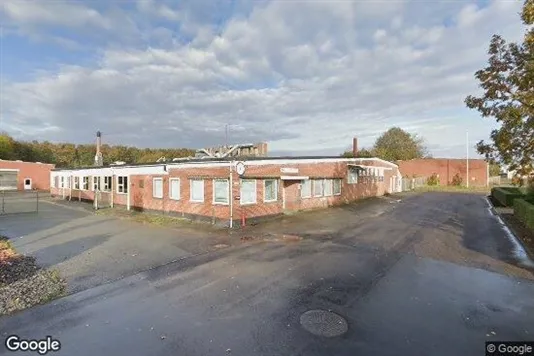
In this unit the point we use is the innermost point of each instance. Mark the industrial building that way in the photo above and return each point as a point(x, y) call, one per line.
point(19, 175)
point(227, 189)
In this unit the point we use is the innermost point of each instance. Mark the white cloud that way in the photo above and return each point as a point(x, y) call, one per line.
point(301, 75)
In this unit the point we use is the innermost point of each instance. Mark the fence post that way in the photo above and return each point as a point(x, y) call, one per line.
point(37, 207)
point(3, 201)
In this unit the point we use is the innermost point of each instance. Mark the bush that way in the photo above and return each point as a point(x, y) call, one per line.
point(433, 180)
point(507, 195)
point(456, 180)
point(524, 211)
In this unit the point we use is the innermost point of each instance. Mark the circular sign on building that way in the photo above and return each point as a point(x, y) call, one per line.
point(240, 168)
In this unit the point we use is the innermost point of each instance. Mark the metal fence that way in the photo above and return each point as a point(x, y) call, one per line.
point(412, 183)
point(16, 202)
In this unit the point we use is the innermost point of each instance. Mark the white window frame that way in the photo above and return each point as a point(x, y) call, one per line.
point(171, 180)
point(107, 187)
point(334, 185)
point(315, 195)
point(325, 183)
point(96, 183)
point(265, 200)
point(227, 190)
point(191, 190)
point(85, 183)
point(76, 183)
point(122, 188)
point(255, 192)
point(154, 195)
point(353, 175)
point(302, 190)
point(62, 182)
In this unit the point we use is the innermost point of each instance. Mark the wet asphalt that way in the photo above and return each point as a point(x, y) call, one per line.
point(435, 274)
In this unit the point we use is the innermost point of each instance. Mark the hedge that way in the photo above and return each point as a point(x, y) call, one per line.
point(507, 195)
point(524, 211)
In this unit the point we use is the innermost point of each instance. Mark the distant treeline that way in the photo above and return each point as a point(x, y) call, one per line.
point(71, 155)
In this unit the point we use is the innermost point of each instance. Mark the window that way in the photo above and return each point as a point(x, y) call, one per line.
point(174, 188)
point(337, 186)
point(157, 188)
point(306, 189)
point(353, 175)
point(107, 183)
point(197, 190)
point(85, 185)
point(122, 185)
point(221, 191)
point(317, 187)
point(248, 191)
point(270, 190)
point(328, 187)
point(96, 183)
point(76, 182)
point(62, 182)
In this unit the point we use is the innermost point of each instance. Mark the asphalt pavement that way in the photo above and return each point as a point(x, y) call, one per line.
point(435, 275)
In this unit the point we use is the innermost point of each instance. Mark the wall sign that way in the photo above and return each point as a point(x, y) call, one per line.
point(240, 168)
point(289, 170)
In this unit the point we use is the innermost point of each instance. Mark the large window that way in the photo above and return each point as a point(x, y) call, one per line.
point(76, 182)
point(107, 183)
point(270, 190)
point(337, 186)
point(353, 175)
point(318, 187)
point(221, 191)
point(306, 189)
point(62, 184)
point(248, 191)
point(122, 185)
point(174, 188)
point(328, 187)
point(85, 185)
point(157, 188)
point(197, 190)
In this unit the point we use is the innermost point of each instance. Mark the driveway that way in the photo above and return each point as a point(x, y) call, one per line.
point(91, 249)
point(432, 275)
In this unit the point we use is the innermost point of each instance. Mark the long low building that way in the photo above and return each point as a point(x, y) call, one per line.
point(230, 191)
point(19, 175)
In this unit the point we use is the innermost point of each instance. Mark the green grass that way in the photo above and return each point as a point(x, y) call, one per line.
point(452, 189)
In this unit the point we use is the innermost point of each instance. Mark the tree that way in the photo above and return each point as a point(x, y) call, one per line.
point(494, 169)
point(396, 144)
point(363, 153)
point(508, 97)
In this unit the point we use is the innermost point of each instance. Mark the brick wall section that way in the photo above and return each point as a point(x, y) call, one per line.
point(447, 169)
point(141, 190)
point(39, 173)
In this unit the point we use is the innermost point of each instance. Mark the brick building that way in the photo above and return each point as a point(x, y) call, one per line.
point(446, 169)
point(19, 175)
point(228, 190)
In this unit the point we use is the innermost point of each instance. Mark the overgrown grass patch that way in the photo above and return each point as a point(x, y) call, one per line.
point(23, 283)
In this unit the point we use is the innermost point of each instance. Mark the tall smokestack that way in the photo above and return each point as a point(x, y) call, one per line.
point(99, 161)
point(355, 147)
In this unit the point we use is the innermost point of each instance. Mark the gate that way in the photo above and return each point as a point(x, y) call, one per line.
point(15, 202)
point(102, 200)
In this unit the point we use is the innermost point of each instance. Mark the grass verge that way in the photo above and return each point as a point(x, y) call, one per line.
point(23, 283)
point(453, 189)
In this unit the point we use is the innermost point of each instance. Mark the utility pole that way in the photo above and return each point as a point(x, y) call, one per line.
point(467, 158)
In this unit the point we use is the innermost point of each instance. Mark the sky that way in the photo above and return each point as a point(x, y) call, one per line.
point(304, 76)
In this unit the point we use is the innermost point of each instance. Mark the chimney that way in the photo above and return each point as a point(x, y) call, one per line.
point(355, 147)
point(99, 161)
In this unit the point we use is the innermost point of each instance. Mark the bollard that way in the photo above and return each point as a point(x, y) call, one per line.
point(243, 219)
point(37, 200)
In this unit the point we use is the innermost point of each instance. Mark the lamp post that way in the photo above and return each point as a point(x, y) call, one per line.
point(467, 158)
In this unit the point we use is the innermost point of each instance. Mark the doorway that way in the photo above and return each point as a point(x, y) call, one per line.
point(27, 184)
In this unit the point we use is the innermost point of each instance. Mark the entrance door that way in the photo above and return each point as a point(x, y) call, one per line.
point(27, 184)
point(291, 195)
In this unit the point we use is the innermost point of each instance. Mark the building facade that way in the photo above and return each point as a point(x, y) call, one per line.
point(230, 191)
point(446, 169)
point(19, 175)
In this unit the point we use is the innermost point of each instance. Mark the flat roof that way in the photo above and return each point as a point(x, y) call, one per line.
point(214, 159)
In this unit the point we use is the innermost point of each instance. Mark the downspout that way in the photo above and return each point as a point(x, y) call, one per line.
point(112, 188)
point(129, 186)
point(231, 196)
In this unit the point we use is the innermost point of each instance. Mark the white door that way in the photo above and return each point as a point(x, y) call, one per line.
point(27, 184)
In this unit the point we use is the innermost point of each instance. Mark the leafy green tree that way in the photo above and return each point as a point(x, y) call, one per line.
point(363, 153)
point(396, 144)
point(494, 169)
point(508, 98)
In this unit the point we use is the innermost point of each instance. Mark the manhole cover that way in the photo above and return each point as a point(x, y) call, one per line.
point(323, 323)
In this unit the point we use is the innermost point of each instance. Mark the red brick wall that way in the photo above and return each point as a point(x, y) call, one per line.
point(447, 169)
point(39, 173)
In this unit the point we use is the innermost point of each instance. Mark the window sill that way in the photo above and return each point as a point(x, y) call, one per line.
point(270, 201)
point(197, 201)
point(153, 197)
point(244, 204)
point(219, 203)
point(176, 199)
point(121, 193)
